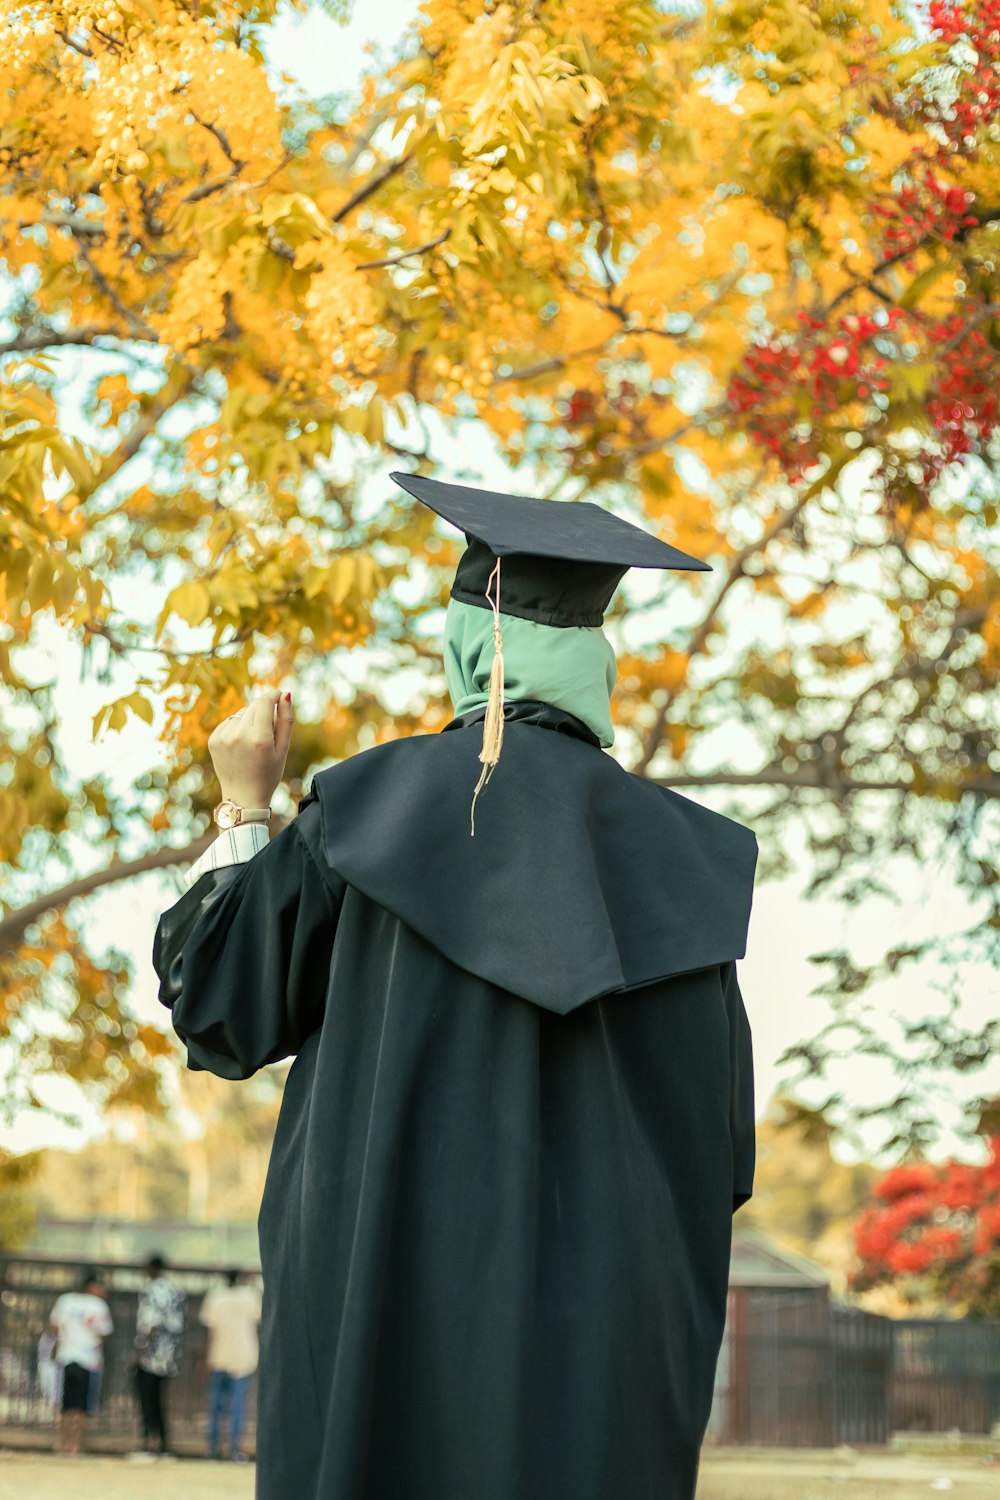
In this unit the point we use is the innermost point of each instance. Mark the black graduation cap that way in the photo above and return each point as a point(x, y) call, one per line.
point(562, 560)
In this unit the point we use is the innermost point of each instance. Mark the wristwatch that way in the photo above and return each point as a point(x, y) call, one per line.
point(230, 815)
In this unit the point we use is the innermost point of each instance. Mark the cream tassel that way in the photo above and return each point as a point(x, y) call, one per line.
point(493, 723)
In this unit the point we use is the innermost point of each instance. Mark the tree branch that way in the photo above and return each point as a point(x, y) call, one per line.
point(80, 47)
point(926, 666)
point(371, 186)
point(809, 780)
point(52, 338)
point(132, 318)
point(364, 140)
point(556, 362)
point(214, 185)
point(982, 215)
point(221, 137)
point(13, 926)
point(395, 260)
point(736, 569)
point(76, 222)
point(155, 406)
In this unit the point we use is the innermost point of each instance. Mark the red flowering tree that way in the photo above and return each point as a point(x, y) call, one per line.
point(934, 1233)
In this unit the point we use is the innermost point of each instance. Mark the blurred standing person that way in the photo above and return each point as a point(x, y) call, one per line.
point(79, 1322)
point(158, 1332)
point(48, 1370)
point(231, 1313)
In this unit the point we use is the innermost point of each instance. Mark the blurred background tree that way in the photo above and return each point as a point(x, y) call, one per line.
point(731, 273)
point(803, 1195)
point(931, 1236)
point(18, 1197)
point(212, 1169)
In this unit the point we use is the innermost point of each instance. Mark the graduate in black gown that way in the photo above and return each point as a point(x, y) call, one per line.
point(496, 1228)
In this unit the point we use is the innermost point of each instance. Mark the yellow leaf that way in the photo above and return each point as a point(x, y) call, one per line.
point(140, 706)
point(315, 581)
point(353, 418)
point(436, 170)
point(366, 575)
point(191, 602)
point(39, 590)
point(341, 578)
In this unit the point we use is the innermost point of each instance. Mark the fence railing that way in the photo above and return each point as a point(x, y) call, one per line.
point(28, 1290)
point(795, 1370)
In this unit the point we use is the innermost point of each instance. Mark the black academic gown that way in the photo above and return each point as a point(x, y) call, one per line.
point(496, 1228)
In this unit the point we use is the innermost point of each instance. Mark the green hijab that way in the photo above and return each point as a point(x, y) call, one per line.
point(572, 668)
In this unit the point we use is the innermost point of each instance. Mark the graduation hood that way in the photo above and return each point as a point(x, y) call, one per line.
point(582, 880)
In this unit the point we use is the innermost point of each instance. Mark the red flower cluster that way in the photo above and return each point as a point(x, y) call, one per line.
point(785, 387)
point(905, 1182)
point(963, 408)
point(781, 383)
point(923, 210)
point(940, 1223)
point(963, 404)
point(581, 407)
point(977, 23)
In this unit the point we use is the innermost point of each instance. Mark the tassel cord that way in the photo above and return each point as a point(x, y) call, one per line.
point(493, 723)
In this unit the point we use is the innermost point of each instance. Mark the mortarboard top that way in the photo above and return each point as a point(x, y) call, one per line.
point(563, 560)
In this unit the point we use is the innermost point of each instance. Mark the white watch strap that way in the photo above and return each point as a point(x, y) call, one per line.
point(234, 846)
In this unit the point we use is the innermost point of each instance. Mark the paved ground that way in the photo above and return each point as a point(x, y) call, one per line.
point(726, 1475)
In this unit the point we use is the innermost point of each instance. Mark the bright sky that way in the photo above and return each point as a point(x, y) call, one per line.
point(776, 977)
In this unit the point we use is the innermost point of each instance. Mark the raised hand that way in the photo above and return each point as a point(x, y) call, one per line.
point(249, 749)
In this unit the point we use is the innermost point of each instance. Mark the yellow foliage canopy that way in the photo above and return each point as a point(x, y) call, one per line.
point(699, 265)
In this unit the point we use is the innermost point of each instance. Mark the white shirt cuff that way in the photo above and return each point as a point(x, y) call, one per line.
point(234, 846)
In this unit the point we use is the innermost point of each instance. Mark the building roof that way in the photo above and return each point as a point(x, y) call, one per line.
point(758, 1261)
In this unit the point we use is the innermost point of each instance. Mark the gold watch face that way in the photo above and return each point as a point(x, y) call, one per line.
point(226, 815)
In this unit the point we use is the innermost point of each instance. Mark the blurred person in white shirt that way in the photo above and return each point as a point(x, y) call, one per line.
point(80, 1321)
point(231, 1313)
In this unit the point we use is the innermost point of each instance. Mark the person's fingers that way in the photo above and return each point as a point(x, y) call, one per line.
point(260, 719)
point(284, 719)
point(225, 727)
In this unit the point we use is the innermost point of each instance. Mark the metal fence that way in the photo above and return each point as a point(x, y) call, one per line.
point(945, 1376)
point(863, 1375)
point(28, 1290)
point(795, 1370)
point(776, 1388)
point(798, 1370)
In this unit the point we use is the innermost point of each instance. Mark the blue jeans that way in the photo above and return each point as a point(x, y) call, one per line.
point(226, 1390)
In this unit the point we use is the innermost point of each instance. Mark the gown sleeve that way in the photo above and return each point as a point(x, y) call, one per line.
point(243, 958)
point(741, 1092)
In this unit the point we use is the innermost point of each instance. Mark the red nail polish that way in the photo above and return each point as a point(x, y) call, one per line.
point(288, 697)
